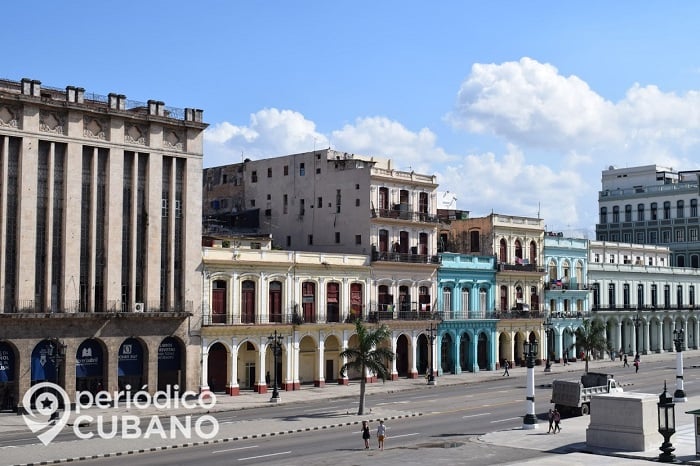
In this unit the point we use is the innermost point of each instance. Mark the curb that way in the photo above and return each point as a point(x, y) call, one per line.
point(215, 441)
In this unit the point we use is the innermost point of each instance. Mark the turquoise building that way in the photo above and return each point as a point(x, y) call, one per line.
point(466, 335)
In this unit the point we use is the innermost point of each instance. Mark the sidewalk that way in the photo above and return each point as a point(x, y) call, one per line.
point(569, 445)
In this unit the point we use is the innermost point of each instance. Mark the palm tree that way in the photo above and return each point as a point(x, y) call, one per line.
point(591, 336)
point(369, 355)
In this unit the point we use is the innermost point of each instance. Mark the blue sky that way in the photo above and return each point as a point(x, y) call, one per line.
point(516, 106)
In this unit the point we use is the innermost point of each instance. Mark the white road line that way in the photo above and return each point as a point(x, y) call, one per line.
point(405, 435)
point(264, 456)
point(234, 449)
point(504, 420)
point(419, 397)
point(475, 415)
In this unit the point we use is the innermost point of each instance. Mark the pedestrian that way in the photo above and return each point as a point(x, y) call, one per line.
point(506, 365)
point(566, 357)
point(365, 434)
point(636, 363)
point(551, 420)
point(557, 420)
point(381, 435)
point(625, 364)
point(620, 353)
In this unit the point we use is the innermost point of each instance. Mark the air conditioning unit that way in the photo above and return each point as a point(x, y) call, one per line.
point(138, 307)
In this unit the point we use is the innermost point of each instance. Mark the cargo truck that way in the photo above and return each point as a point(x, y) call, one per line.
point(575, 397)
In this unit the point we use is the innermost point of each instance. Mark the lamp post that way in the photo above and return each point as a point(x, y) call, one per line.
point(667, 425)
point(57, 353)
point(679, 394)
point(431, 374)
point(276, 341)
point(548, 325)
point(530, 351)
point(637, 323)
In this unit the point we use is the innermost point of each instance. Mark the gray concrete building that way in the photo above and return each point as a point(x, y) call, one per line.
point(100, 226)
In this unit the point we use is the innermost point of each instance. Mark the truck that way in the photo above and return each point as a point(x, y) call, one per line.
point(575, 397)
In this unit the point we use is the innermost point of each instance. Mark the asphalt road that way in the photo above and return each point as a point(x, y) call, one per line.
point(452, 417)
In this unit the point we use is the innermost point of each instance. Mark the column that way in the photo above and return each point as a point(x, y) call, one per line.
point(619, 335)
point(645, 339)
point(320, 380)
point(394, 375)
point(261, 385)
point(413, 373)
point(204, 370)
point(233, 387)
point(660, 336)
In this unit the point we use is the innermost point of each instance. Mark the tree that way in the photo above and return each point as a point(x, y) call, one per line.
point(369, 355)
point(591, 336)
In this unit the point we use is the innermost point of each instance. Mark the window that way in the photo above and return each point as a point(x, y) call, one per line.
point(680, 235)
point(269, 172)
point(693, 234)
point(285, 203)
point(665, 236)
point(289, 241)
point(302, 170)
point(357, 203)
point(628, 213)
point(357, 186)
point(667, 295)
point(679, 209)
point(693, 207)
point(319, 202)
point(178, 207)
point(596, 258)
point(301, 207)
point(626, 295)
point(679, 296)
point(691, 295)
point(337, 237)
point(269, 197)
point(652, 237)
point(318, 171)
point(627, 237)
point(255, 245)
point(286, 170)
point(654, 296)
point(474, 237)
point(337, 201)
point(640, 212)
point(640, 237)
point(254, 176)
point(310, 240)
point(667, 210)
point(358, 239)
point(611, 295)
point(616, 214)
point(603, 215)
point(652, 211)
point(612, 258)
point(164, 208)
point(640, 296)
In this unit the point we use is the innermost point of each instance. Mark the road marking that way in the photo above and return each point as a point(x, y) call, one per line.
point(405, 435)
point(475, 415)
point(504, 420)
point(264, 456)
point(234, 449)
point(419, 397)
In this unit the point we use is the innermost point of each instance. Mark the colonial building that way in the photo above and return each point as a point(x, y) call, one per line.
point(641, 299)
point(100, 223)
point(306, 301)
point(652, 205)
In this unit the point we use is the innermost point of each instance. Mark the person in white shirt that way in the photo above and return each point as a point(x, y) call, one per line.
point(381, 434)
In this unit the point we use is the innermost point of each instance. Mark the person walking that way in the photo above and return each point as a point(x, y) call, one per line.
point(365, 434)
point(551, 421)
point(506, 365)
point(566, 357)
point(557, 420)
point(625, 364)
point(381, 435)
point(636, 363)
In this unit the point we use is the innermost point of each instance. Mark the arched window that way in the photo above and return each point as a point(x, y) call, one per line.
point(308, 301)
point(333, 302)
point(640, 212)
point(628, 213)
point(275, 302)
point(446, 299)
point(533, 253)
point(616, 214)
point(504, 298)
point(503, 251)
point(603, 215)
point(679, 209)
point(667, 210)
point(248, 302)
point(518, 250)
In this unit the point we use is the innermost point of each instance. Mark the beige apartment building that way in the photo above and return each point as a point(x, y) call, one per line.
point(100, 226)
point(336, 202)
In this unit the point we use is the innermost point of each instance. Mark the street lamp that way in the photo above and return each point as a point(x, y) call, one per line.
point(548, 325)
point(276, 341)
point(667, 425)
point(57, 353)
point(679, 394)
point(431, 375)
point(637, 323)
point(530, 351)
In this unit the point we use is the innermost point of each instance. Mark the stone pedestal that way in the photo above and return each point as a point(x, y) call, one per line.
point(624, 422)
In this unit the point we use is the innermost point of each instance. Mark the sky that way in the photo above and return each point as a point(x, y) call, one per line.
point(517, 107)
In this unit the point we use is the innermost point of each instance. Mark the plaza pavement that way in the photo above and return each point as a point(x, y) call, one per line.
point(565, 448)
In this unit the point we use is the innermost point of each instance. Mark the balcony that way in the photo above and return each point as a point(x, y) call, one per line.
point(402, 214)
point(151, 308)
point(503, 267)
point(380, 256)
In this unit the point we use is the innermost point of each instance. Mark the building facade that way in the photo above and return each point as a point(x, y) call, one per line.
point(652, 205)
point(100, 221)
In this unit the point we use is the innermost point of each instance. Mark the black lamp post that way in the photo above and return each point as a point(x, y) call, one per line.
point(431, 374)
point(548, 325)
point(57, 353)
point(637, 323)
point(276, 341)
point(530, 352)
point(667, 426)
point(679, 394)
